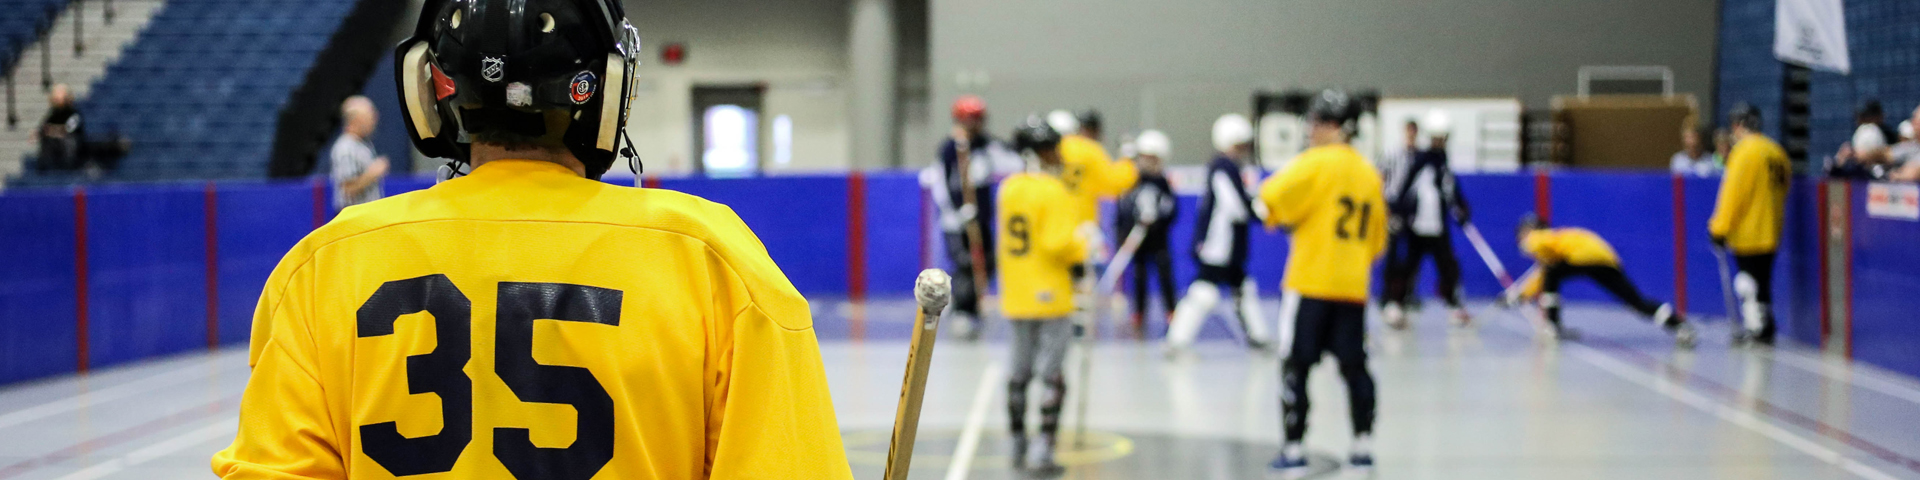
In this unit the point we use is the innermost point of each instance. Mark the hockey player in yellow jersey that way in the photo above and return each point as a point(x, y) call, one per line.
point(527, 321)
point(1041, 242)
point(1332, 202)
point(1748, 218)
point(1088, 171)
point(1564, 253)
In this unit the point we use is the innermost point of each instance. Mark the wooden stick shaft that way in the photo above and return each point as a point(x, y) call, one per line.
point(967, 197)
point(906, 420)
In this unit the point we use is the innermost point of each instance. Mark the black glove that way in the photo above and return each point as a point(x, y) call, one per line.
point(1719, 242)
point(1463, 216)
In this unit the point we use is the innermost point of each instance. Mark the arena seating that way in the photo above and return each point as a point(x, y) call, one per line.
point(21, 24)
point(200, 91)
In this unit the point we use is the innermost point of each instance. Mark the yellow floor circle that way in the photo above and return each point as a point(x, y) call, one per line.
point(869, 447)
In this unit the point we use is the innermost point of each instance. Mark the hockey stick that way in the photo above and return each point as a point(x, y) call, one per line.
point(1486, 254)
point(931, 291)
point(1122, 259)
point(1726, 289)
point(975, 250)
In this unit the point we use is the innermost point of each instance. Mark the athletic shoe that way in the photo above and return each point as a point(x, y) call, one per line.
point(1019, 452)
point(1563, 333)
point(1292, 462)
point(1174, 353)
point(966, 328)
point(1394, 315)
point(1461, 319)
point(1684, 336)
point(1362, 456)
point(1043, 463)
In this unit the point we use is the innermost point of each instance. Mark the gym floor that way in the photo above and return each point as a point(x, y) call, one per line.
point(1488, 402)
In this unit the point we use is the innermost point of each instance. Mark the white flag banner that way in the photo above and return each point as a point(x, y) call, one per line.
point(1812, 33)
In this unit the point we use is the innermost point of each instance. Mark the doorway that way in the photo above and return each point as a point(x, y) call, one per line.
point(727, 129)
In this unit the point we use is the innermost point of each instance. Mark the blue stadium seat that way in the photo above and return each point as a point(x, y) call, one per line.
point(200, 91)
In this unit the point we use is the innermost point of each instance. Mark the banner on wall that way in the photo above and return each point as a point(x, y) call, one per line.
point(1894, 201)
point(1812, 33)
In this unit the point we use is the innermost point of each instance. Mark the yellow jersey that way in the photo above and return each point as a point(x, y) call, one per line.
point(1037, 248)
point(1572, 246)
point(524, 322)
point(1332, 200)
point(1753, 197)
point(1090, 175)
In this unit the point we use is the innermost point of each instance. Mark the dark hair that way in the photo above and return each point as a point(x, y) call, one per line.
point(1870, 109)
point(516, 142)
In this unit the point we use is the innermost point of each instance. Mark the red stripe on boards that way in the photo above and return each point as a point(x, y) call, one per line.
point(213, 268)
point(80, 277)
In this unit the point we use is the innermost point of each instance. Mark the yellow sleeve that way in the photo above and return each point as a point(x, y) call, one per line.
point(286, 432)
point(1285, 196)
point(1736, 191)
point(1119, 176)
point(782, 424)
point(1058, 235)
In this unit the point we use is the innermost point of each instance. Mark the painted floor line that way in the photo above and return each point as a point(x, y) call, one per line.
point(1747, 420)
point(219, 430)
point(227, 406)
point(85, 400)
point(963, 454)
point(1853, 373)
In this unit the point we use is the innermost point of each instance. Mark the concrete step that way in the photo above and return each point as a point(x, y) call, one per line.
point(103, 43)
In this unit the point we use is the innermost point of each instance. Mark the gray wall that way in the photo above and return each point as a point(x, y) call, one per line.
point(797, 47)
point(1176, 65)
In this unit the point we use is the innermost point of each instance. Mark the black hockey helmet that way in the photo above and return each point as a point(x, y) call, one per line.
point(1090, 119)
point(560, 70)
point(1034, 135)
point(1528, 223)
point(1744, 114)
point(1335, 107)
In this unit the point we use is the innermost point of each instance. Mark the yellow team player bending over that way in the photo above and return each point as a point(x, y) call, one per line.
point(1042, 241)
point(1564, 253)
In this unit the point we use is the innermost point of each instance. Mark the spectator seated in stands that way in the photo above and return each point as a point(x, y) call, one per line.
point(1694, 158)
point(1906, 155)
point(1869, 156)
point(64, 145)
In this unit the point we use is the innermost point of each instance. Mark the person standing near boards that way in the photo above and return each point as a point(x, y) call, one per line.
point(1747, 220)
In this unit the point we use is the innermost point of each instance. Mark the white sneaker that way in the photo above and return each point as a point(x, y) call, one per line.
point(1461, 319)
point(1394, 316)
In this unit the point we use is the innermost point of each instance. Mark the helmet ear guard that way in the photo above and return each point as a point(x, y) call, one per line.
point(437, 103)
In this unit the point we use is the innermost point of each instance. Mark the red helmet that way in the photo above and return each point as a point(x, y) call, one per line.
point(969, 107)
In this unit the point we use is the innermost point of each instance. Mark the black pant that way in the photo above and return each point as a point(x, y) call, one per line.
point(1403, 267)
point(1608, 276)
point(1760, 267)
point(1309, 329)
point(965, 299)
point(1149, 262)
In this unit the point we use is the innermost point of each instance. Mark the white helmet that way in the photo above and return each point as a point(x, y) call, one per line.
point(1063, 122)
point(1152, 142)
point(1906, 130)
point(1868, 138)
point(1231, 130)
point(1437, 124)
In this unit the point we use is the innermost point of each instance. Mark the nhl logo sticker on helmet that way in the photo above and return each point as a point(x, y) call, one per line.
point(583, 87)
point(493, 69)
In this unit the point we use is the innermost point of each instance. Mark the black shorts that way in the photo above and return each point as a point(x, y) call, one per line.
point(1225, 277)
point(1311, 327)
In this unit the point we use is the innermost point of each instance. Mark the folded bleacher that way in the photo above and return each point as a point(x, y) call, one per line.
point(200, 91)
point(23, 23)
